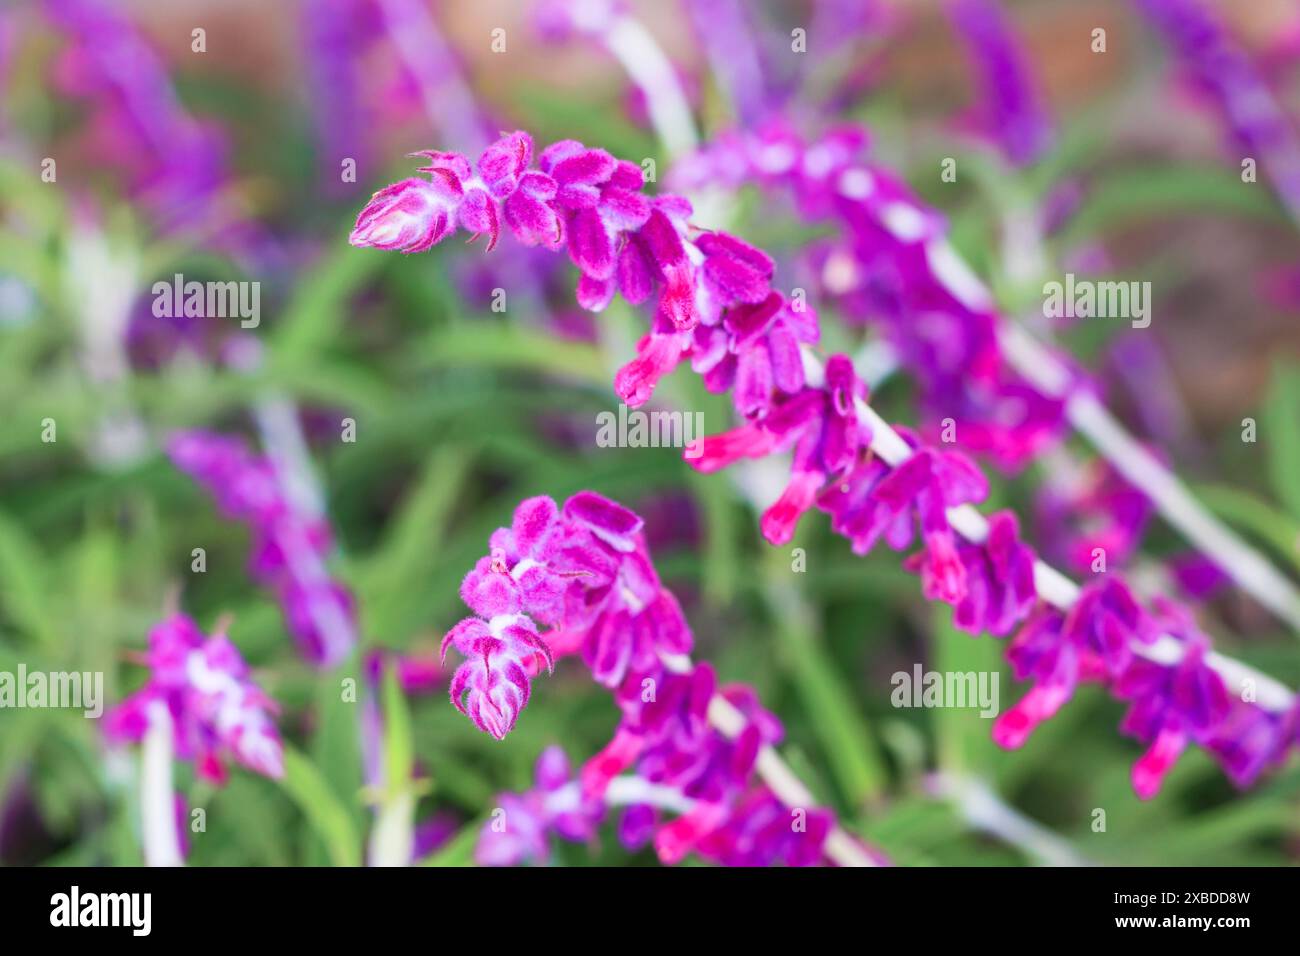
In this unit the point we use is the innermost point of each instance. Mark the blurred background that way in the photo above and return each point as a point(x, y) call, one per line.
point(231, 163)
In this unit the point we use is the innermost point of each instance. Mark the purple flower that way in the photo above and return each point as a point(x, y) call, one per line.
point(174, 164)
point(217, 712)
point(1099, 510)
point(1170, 707)
point(1222, 72)
point(289, 545)
point(1010, 108)
point(822, 426)
point(522, 825)
point(583, 570)
point(410, 216)
point(1092, 641)
point(763, 831)
point(622, 242)
point(891, 262)
point(1000, 591)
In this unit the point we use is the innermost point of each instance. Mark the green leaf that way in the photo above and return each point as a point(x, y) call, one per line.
point(459, 850)
point(489, 344)
point(323, 809)
point(399, 746)
point(23, 577)
point(1279, 433)
point(834, 713)
point(965, 744)
point(1279, 531)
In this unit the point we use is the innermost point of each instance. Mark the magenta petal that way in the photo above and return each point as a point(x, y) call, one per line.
point(635, 272)
point(590, 246)
point(594, 294)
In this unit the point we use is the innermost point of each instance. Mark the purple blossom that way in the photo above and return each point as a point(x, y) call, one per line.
point(1010, 109)
point(765, 832)
point(217, 712)
point(891, 262)
point(1000, 591)
point(712, 295)
point(1171, 707)
point(582, 570)
point(1097, 509)
point(821, 424)
point(290, 546)
point(172, 162)
point(521, 831)
point(1222, 72)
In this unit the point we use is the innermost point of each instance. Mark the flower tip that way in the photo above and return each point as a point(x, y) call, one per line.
point(1011, 730)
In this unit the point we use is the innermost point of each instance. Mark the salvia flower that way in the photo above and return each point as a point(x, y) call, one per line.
point(712, 293)
point(172, 162)
point(582, 569)
point(217, 712)
point(1093, 520)
point(1223, 73)
point(891, 262)
point(1171, 706)
point(290, 546)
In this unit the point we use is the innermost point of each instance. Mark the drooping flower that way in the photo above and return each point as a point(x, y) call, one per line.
point(1222, 72)
point(1093, 521)
point(713, 300)
point(1171, 706)
point(891, 263)
point(582, 570)
point(217, 712)
point(1093, 640)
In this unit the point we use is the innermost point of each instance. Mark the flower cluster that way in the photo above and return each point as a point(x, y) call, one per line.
point(713, 297)
point(891, 263)
point(991, 586)
point(716, 306)
point(584, 570)
point(554, 807)
point(217, 713)
point(290, 545)
point(1094, 514)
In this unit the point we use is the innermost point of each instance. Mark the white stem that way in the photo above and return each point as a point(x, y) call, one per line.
point(157, 800)
point(786, 785)
point(1245, 565)
point(392, 839)
point(984, 810)
point(639, 54)
point(623, 792)
point(1053, 586)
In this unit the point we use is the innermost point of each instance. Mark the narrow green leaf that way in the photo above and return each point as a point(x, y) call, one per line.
point(327, 815)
